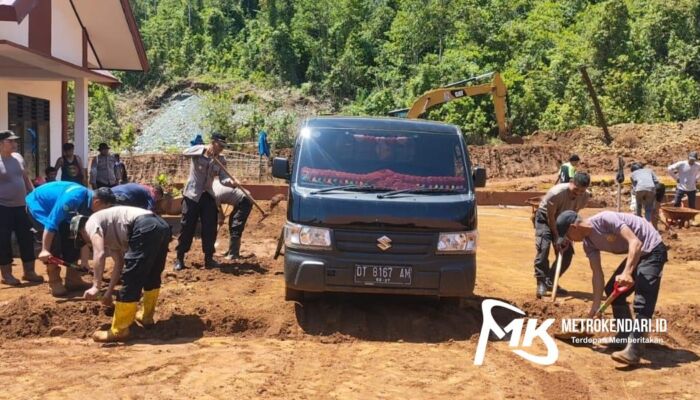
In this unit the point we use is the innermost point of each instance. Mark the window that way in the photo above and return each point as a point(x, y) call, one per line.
point(29, 119)
point(394, 160)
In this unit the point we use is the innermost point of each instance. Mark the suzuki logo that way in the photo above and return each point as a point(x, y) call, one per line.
point(384, 243)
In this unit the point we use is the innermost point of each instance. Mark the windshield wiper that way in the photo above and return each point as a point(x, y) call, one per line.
point(418, 190)
point(354, 188)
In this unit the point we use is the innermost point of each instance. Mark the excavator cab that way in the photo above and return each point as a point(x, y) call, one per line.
point(495, 86)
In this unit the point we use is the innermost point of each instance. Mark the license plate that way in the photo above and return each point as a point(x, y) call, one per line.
point(379, 275)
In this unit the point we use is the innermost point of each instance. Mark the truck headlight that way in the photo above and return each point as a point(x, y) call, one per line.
point(306, 237)
point(457, 243)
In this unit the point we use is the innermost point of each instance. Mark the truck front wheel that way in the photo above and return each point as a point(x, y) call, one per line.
point(300, 295)
point(293, 294)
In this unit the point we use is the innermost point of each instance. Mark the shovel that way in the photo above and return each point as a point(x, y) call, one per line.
point(247, 195)
point(100, 294)
point(218, 229)
point(556, 276)
point(617, 291)
point(57, 261)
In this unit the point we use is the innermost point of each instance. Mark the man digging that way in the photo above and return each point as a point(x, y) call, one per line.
point(560, 198)
point(620, 233)
point(137, 240)
point(51, 207)
point(138, 195)
point(199, 199)
point(238, 218)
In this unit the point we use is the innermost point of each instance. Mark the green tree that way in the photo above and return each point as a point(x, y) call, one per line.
point(370, 56)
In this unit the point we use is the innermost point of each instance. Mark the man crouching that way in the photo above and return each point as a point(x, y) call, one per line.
point(137, 240)
point(619, 233)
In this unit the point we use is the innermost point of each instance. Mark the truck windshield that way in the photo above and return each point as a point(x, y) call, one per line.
point(389, 160)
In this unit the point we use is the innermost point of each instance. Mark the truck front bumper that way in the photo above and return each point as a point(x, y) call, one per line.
point(437, 275)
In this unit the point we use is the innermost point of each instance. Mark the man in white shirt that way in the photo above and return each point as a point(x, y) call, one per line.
point(137, 240)
point(686, 174)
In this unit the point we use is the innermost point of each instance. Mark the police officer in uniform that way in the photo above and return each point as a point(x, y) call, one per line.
point(199, 199)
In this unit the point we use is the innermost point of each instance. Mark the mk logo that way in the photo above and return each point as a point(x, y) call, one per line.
point(515, 328)
point(384, 243)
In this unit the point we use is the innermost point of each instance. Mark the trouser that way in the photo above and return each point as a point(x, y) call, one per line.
point(645, 201)
point(647, 280)
point(679, 197)
point(543, 240)
point(206, 210)
point(239, 217)
point(62, 246)
point(144, 261)
point(15, 219)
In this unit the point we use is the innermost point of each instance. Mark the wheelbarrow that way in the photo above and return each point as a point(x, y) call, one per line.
point(533, 202)
point(678, 216)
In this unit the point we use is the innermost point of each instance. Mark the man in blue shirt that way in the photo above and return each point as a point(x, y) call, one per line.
point(263, 145)
point(138, 195)
point(51, 207)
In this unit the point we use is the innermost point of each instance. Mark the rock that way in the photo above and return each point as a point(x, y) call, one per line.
point(57, 331)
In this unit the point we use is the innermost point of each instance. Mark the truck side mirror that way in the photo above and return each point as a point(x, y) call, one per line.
point(479, 177)
point(280, 168)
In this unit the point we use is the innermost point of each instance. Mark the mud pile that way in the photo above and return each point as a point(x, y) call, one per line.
point(516, 161)
point(657, 145)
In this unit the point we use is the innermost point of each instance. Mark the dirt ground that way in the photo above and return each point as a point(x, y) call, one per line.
point(656, 145)
point(230, 334)
point(534, 165)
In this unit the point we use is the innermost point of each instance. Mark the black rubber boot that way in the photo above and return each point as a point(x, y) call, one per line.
point(179, 263)
point(633, 351)
point(541, 289)
point(210, 263)
point(234, 248)
point(620, 312)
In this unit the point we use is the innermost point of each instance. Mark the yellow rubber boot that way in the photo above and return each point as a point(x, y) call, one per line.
point(145, 315)
point(124, 315)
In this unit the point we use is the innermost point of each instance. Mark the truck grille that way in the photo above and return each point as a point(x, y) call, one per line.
point(370, 242)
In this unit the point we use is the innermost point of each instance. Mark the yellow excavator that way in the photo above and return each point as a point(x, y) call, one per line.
point(460, 89)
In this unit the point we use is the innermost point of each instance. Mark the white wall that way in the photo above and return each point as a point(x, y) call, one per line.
point(47, 90)
point(15, 33)
point(66, 33)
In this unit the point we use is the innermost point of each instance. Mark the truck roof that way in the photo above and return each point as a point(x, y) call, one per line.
point(382, 123)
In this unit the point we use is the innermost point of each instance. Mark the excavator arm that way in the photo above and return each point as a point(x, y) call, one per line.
point(439, 96)
point(496, 88)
